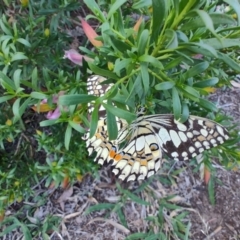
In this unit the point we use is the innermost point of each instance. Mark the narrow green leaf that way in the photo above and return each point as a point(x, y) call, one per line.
point(77, 127)
point(98, 207)
point(7, 82)
point(48, 122)
point(207, 105)
point(35, 79)
point(141, 4)
point(111, 126)
point(195, 70)
point(229, 61)
point(38, 95)
point(15, 108)
point(18, 56)
point(190, 90)
point(185, 112)
point(224, 43)
point(164, 85)
point(24, 42)
point(122, 64)
point(206, 83)
point(67, 100)
point(177, 108)
point(94, 7)
point(145, 77)
point(121, 46)
point(236, 6)
point(172, 39)
point(217, 19)
point(68, 135)
point(17, 78)
point(207, 20)
point(211, 192)
point(26, 232)
point(120, 112)
point(102, 72)
point(150, 59)
point(135, 198)
point(6, 98)
point(143, 41)
point(94, 121)
point(202, 48)
point(116, 5)
point(159, 11)
point(137, 236)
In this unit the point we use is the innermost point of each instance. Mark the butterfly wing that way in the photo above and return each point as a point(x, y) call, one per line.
point(152, 135)
point(140, 157)
point(183, 141)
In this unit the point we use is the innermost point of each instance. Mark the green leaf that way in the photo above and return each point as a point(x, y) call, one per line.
point(172, 39)
point(191, 90)
point(6, 98)
point(77, 126)
point(211, 192)
point(102, 72)
point(145, 77)
point(17, 78)
point(116, 5)
point(177, 108)
point(94, 7)
point(35, 79)
point(19, 110)
point(121, 64)
point(206, 83)
point(94, 121)
point(236, 6)
point(24, 42)
point(143, 41)
point(202, 48)
point(217, 19)
point(195, 70)
point(68, 135)
point(47, 123)
point(207, 20)
point(38, 95)
point(135, 198)
point(111, 126)
point(98, 207)
point(164, 85)
point(141, 4)
point(229, 61)
point(185, 112)
point(120, 112)
point(26, 232)
point(18, 56)
point(75, 99)
point(7, 82)
point(150, 59)
point(207, 105)
point(158, 15)
point(224, 43)
point(121, 46)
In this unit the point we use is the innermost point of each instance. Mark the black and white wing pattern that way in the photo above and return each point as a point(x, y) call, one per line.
point(100, 142)
point(138, 151)
point(154, 135)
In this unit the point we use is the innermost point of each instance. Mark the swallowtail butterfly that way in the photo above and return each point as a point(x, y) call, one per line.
point(137, 152)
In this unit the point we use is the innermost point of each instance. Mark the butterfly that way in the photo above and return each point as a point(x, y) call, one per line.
point(137, 153)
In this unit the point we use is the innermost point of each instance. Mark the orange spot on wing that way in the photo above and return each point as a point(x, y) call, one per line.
point(115, 156)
